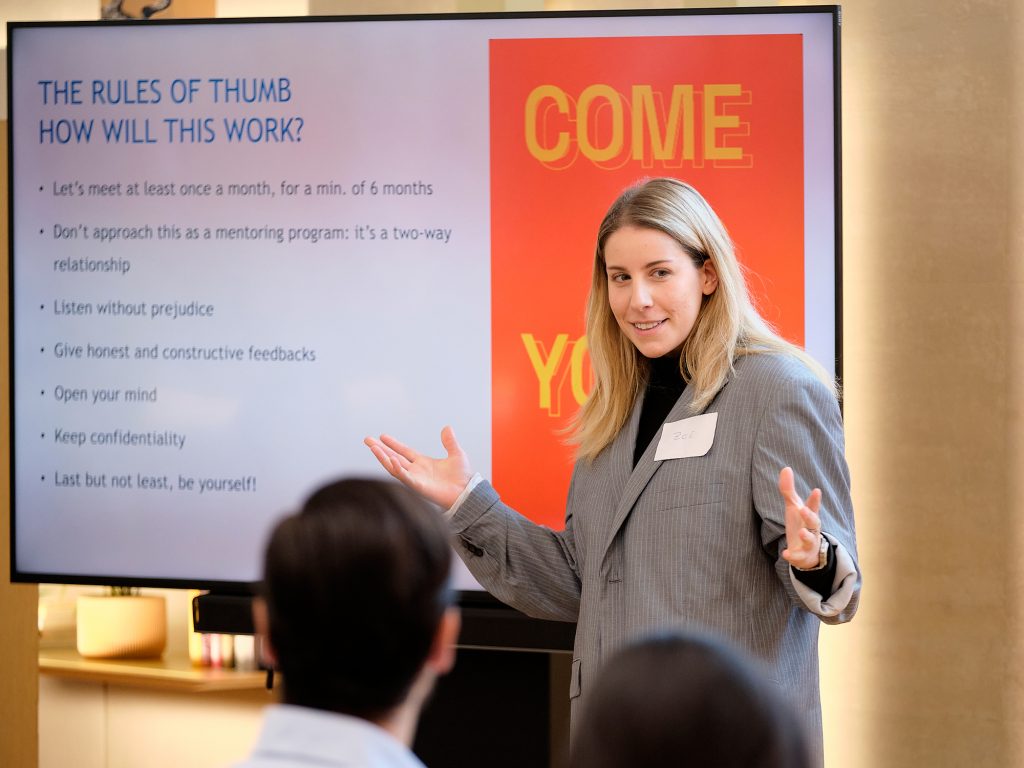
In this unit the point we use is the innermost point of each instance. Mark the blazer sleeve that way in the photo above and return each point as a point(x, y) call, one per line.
point(528, 566)
point(801, 427)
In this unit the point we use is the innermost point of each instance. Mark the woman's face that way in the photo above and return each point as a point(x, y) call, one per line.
point(654, 289)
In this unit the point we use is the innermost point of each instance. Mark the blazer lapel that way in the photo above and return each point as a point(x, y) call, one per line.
point(622, 451)
point(641, 475)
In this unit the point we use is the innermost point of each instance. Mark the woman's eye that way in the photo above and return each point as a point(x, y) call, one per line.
point(619, 278)
point(661, 273)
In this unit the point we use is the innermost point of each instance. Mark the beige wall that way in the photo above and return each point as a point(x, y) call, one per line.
point(926, 674)
point(930, 671)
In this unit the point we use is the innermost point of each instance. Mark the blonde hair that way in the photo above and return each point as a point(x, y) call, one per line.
point(727, 326)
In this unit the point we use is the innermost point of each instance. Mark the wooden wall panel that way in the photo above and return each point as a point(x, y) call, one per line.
point(19, 643)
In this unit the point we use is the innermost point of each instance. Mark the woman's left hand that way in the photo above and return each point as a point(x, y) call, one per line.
point(803, 525)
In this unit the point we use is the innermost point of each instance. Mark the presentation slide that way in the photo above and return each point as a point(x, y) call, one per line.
point(238, 248)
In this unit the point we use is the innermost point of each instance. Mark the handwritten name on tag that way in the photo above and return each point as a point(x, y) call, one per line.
point(687, 438)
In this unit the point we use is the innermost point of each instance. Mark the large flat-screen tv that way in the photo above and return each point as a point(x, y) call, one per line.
point(237, 247)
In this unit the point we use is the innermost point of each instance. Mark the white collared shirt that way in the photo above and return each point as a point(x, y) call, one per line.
point(300, 737)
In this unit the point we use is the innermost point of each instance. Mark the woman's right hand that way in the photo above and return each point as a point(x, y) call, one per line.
point(439, 480)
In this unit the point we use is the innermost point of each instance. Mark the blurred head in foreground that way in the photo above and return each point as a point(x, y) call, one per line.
point(355, 606)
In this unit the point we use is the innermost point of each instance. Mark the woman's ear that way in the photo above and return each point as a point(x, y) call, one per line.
point(261, 620)
point(710, 275)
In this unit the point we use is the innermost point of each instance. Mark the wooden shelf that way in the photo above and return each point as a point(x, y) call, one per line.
point(169, 674)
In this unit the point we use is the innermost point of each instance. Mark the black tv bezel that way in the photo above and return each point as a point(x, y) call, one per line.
point(491, 623)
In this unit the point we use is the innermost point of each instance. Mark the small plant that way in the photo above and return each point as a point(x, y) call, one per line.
point(122, 591)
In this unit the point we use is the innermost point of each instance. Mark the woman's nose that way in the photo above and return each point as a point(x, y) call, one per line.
point(641, 294)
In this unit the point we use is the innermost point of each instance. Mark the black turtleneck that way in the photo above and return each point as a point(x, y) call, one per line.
point(664, 387)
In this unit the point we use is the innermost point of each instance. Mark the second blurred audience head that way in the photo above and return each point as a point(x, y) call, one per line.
point(682, 700)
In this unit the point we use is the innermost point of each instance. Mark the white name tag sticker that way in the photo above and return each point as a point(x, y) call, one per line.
point(687, 438)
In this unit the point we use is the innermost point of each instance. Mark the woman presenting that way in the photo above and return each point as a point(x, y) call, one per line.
point(690, 504)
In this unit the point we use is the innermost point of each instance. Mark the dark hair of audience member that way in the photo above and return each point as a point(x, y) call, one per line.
point(355, 585)
point(680, 700)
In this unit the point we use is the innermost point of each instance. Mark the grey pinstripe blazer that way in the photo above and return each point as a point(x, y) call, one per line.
point(692, 543)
